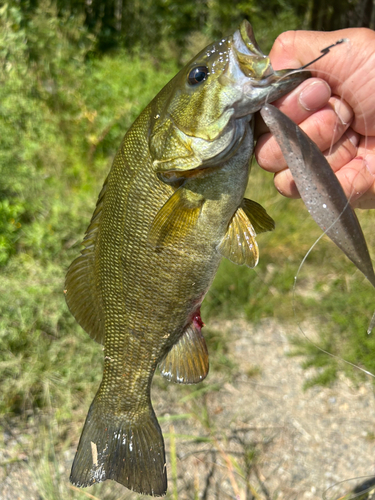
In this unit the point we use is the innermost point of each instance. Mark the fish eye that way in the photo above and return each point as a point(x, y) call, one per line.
point(198, 75)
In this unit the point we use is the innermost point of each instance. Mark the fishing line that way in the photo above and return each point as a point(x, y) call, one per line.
point(367, 486)
point(365, 147)
point(295, 313)
point(363, 143)
point(294, 301)
point(372, 323)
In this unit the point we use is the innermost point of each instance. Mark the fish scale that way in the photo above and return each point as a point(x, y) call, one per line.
point(172, 206)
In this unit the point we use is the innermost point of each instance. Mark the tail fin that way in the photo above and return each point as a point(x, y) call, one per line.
point(130, 453)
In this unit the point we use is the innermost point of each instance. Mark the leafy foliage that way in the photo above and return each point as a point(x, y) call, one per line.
point(145, 23)
point(49, 124)
point(38, 101)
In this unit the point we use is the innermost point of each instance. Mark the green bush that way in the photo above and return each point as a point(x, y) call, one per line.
point(62, 117)
point(32, 147)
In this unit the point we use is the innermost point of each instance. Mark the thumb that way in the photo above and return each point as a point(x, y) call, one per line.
point(348, 68)
point(297, 48)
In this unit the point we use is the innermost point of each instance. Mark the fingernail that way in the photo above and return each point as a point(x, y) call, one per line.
point(343, 111)
point(352, 136)
point(315, 95)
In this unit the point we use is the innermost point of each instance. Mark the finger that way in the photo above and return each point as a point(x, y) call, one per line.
point(297, 48)
point(285, 184)
point(308, 97)
point(348, 68)
point(268, 154)
point(325, 127)
point(343, 151)
point(367, 200)
point(357, 180)
point(356, 176)
point(365, 185)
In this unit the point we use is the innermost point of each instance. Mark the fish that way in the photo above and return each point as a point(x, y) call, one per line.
point(171, 207)
point(320, 191)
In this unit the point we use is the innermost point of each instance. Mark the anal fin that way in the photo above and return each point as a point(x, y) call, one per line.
point(187, 361)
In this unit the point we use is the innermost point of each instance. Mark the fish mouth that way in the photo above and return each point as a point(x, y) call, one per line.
point(253, 63)
point(282, 81)
point(258, 69)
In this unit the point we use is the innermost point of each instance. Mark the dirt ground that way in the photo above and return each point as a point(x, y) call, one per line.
point(306, 442)
point(255, 433)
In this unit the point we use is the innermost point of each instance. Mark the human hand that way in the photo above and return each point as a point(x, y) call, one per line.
point(341, 124)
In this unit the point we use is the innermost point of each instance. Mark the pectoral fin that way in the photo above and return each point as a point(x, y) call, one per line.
point(187, 361)
point(239, 245)
point(175, 219)
point(258, 217)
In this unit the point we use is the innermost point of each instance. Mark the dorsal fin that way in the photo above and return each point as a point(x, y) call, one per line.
point(81, 293)
point(187, 361)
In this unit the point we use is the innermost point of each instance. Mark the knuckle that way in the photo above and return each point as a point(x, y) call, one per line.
point(285, 41)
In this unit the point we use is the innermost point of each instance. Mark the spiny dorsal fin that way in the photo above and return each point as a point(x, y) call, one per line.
point(187, 361)
point(176, 218)
point(239, 245)
point(80, 291)
point(258, 217)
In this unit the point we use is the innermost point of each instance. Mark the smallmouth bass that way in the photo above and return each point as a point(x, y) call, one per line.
point(171, 207)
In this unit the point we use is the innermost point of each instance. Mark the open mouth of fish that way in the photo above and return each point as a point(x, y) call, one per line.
point(262, 80)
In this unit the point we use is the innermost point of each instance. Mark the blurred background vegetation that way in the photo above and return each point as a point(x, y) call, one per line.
point(73, 76)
